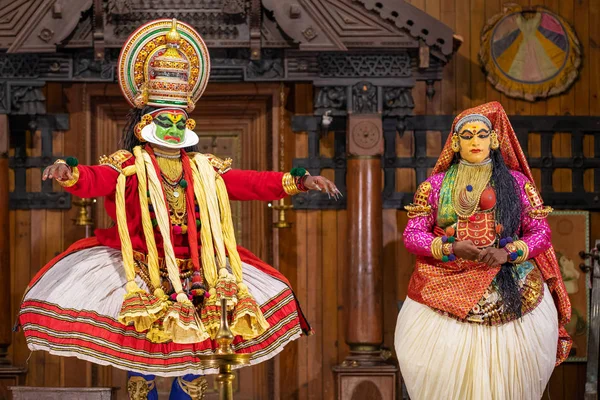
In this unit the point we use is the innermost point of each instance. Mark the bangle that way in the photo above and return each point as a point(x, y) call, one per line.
point(436, 248)
point(300, 183)
point(448, 252)
point(447, 249)
point(518, 251)
point(522, 251)
point(73, 180)
point(289, 184)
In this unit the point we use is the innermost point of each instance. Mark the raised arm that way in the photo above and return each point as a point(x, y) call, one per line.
point(88, 181)
point(254, 185)
point(268, 185)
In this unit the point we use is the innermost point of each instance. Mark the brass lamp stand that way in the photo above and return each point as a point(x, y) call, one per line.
point(281, 208)
point(83, 217)
point(224, 357)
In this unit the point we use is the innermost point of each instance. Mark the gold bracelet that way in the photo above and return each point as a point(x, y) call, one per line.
point(73, 180)
point(289, 184)
point(447, 249)
point(521, 245)
point(436, 248)
point(514, 247)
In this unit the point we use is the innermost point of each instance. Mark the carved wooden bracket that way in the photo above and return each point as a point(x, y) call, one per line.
point(98, 30)
point(365, 135)
point(39, 25)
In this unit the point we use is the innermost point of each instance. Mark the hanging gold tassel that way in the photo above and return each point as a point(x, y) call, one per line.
point(139, 308)
point(211, 310)
point(180, 320)
point(248, 319)
point(156, 334)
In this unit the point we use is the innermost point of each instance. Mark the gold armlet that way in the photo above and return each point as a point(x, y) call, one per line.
point(540, 213)
point(289, 184)
point(73, 180)
point(115, 160)
point(420, 207)
point(418, 210)
point(219, 164)
point(538, 210)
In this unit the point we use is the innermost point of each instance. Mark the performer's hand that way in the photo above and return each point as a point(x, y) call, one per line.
point(493, 256)
point(322, 184)
point(466, 250)
point(59, 171)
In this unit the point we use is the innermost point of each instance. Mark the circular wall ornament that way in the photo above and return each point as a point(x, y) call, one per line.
point(530, 52)
point(365, 134)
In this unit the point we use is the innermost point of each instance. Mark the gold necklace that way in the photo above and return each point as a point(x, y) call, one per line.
point(176, 198)
point(167, 153)
point(471, 181)
point(171, 169)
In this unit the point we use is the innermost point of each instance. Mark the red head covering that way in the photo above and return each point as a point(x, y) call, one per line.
point(515, 160)
point(509, 144)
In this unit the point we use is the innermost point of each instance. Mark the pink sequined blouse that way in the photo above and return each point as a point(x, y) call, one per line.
point(455, 287)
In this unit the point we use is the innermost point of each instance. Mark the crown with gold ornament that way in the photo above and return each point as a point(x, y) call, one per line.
point(164, 63)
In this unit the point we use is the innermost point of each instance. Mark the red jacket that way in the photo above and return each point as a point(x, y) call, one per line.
point(101, 181)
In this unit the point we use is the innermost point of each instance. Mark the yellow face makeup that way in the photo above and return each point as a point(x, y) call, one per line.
point(474, 140)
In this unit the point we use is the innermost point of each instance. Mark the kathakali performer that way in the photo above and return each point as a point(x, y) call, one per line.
point(144, 295)
point(486, 303)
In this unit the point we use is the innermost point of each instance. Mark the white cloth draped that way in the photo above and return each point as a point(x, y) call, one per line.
point(442, 358)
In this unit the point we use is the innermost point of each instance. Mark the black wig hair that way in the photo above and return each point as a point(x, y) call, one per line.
point(508, 214)
point(129, 140)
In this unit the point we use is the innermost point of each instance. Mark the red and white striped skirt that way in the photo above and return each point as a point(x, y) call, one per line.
point(71, 310)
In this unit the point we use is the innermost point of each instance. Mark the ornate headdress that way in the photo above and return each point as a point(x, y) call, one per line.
point(164, 63)
point(472, 118)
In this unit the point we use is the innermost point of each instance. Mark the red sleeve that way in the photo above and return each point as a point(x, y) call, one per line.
point(254, 185)
point(94, 181)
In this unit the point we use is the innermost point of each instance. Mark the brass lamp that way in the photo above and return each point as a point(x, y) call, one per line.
point(281, 208)
point(83, 217)
point(224, 357)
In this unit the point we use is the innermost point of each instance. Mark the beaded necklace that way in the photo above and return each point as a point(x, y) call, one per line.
point(171, 171)
point(471, 181)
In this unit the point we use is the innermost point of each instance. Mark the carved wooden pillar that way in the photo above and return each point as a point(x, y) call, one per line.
point(9, 375)
point(364, 329)
point(365, 374)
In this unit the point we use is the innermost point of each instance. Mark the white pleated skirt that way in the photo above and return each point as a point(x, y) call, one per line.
point(72, 311)
point(445, 359)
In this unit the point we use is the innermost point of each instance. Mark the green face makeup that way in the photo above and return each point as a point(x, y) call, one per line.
point(170, 127)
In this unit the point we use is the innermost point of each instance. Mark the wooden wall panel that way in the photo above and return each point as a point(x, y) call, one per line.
point(462, 88)
point(313, 252)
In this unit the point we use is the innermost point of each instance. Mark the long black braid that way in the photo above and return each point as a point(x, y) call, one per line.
point(129, 140)
point(508, 213)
